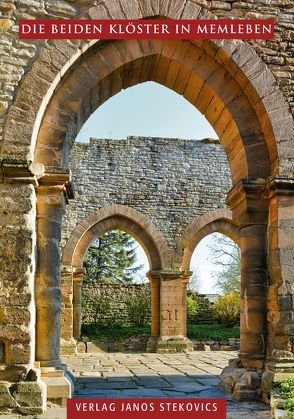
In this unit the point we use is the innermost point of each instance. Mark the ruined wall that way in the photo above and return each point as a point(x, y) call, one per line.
point(118, 294)
point(17, 56)
point(170, 181)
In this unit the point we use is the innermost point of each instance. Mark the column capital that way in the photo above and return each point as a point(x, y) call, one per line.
point(280, 185)
point(171, 274)
point(66, 270)
point(187, 275)
point(78, 274)
point(57, 178)
point(248, 201)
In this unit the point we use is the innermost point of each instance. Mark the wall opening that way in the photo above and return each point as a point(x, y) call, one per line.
point(116, 303)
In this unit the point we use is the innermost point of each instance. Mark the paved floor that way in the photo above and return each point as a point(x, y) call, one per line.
point(139, 375)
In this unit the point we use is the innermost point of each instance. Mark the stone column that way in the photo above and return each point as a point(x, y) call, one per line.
point(77, 301)
point(154, 279)
point(172, 335)
point(20, 387)
point(185, 281)
point(280, 339)
point(66, 288)
point(249, 205)
point(52, 193)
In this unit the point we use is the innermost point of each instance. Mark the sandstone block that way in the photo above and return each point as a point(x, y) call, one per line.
point(235, 363)
point(17, 354)
point(230, 376)
point(97, 347)
point(253, 379)
point(5, 24)
point(81, 347)
point(6, 400)
point(29, 396)
point(246, 395)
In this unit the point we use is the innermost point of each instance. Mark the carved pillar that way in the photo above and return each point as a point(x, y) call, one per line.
point(248, 203)
point(77, 301)
point(154, 279)
point(52, 193)
point(172, 335)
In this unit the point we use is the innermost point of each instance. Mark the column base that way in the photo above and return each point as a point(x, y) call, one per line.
point(25, 397)
point(59, 383)
point(252, 361)
point(171, 345)
point(242, 384)
point(151, 344)
point(68, 347)
point(278, 367)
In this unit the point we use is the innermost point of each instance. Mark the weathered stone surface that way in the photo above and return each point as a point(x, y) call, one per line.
point(253, 379)
point(246, 395)
point(151, 182)
point(6, 400)
point(18, 235)
point(229, 377)
point(97, 347)
point(28, 394)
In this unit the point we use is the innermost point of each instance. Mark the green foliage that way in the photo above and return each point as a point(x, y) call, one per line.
point(212, 331)
point(286, 388)
point(116, 332)
point(111, 258)
point(227, 309)
point(226, 255)
point(192, 308)
point(138, 308)
point(98, 306)
point(194, 283)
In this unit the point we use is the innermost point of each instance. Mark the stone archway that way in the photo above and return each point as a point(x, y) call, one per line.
point(96, 224)
point(224, 89)
point(230, 84)
point(212, 222)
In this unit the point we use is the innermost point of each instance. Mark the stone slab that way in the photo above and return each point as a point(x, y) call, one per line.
point(97, 347)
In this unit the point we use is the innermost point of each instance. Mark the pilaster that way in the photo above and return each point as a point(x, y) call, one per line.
point(52, 195)
point(171, 307)
point(247, 200)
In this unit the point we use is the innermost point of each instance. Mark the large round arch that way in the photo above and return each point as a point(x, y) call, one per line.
point(225, 80)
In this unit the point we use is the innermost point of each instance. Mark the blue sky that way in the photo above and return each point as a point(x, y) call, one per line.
point(152, 110)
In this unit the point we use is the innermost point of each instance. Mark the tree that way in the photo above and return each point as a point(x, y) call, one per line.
point(227, 309)
point(195, 280)
point(226, 255)
point(111, 258)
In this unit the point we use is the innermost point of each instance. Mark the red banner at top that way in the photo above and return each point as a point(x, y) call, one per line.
point(146, 29)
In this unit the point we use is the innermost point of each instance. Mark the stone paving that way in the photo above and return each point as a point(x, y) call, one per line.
point(142, 375)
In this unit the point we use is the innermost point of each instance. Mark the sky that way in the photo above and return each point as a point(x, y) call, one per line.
point(152, 110)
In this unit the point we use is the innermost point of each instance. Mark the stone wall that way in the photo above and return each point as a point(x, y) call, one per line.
point(17, 56)
point(117, 294)
point(170, 181)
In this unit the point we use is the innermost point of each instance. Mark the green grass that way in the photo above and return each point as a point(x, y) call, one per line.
point(212, 331)
point(115, 331)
